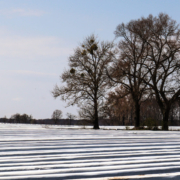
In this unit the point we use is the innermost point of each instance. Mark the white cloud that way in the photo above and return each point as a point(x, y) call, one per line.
point(26, 72)
point(17, 99)
point(21, 12)
point(20, 47)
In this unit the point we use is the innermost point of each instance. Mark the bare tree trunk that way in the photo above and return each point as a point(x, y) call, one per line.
point(165, 118)
point(123, 120)
point(96, 119)
point(55, 121)
point(131, 118)
point(137, 114)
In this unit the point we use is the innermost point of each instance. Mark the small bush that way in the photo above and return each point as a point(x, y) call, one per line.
point(151, 124)
point(139, 128)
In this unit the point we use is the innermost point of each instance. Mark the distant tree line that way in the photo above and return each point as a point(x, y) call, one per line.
point(18, 118)
point(57, 120)
point(135, 81)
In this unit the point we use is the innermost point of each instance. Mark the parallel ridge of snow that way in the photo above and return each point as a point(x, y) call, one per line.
point(41, 153)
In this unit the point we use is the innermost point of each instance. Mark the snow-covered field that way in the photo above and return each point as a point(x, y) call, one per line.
point(55, 152)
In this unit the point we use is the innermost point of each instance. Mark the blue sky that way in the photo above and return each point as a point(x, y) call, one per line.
point(38, 36)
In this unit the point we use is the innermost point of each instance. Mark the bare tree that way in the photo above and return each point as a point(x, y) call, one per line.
point(57, 114)
point(119, 108)
point(127, 69)
point(86, 79)
point(161, 36)
point(70, 117)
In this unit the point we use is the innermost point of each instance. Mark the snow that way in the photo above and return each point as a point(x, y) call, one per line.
point(78, 152)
